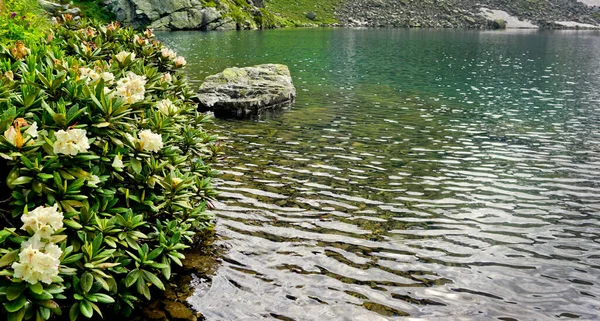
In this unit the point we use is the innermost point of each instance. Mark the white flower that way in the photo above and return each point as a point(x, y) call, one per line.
point(71, 142)
point(43, 221)
point(150, 141)
point(180, 61)
point(11, 135)
point(84, 71)
point(9, 74)
point(108, 78)
point(121, 56)
point(117, 162)
point(131, 88)
point(166, 106)
point(32, 130)
point(166, 77)
point(93, 181)
point(38, 262)
point(168, 53)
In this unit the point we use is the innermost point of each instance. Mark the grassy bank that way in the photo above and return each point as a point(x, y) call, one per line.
point(296, 10)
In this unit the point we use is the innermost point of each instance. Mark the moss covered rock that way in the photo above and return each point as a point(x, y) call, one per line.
point(247, 91)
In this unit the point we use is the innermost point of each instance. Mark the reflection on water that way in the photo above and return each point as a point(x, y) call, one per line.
point(431, 174)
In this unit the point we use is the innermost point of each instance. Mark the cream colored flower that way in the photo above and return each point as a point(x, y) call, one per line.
point(11, 135)
point(38, 262)
point(84, 72)
point(168, 53)
point(43, 221)
point(121, 56)
point(117, 162)
point(166, 77)
point(131, 88)
point(93, 180)
point(166, 107)
point(9, 75)
point(108, 78)
point(149, 33)
point(150, 141)
point(32, 131)
point(180, 61)
point(71, 142)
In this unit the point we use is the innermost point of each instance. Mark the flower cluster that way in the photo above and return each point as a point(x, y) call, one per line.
point(39, 259)
point(131, 88)
point(166, 107)
point(71, 142)
point(92, 76)
point(38, 262)
point(121, 56)
point(43, 221)
point(149, 141)
point(172, 55)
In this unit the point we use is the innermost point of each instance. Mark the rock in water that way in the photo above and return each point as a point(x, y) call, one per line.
point(247, 91)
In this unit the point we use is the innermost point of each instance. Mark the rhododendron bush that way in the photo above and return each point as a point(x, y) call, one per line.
point(105, 175)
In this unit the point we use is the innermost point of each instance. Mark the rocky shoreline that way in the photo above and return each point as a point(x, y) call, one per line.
point(255, 14)
point(469, 14)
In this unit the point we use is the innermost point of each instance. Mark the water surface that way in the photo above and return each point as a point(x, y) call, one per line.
point(435, 175)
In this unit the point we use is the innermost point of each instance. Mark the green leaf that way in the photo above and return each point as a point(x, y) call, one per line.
point(132, 277)
point(154, 280)
point(36, 288)
point(49, 304)
point(74, 312)
point(8, 258)
point(16, 316)
point(21, 180)
point(86, 309)
point(16, 305)
point(45, 295)
point(14, 291)
point(142, 288)
point(87, 280)
point(155, 253)
point(4, 234)
point(103, 298)
point(44, 313)
point(136, 165)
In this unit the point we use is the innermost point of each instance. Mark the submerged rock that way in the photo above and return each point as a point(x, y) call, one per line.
point(247, 91)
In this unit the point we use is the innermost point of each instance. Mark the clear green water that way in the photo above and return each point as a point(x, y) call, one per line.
point(441, 175)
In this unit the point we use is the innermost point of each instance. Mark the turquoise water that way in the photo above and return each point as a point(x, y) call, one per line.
point(436, 174)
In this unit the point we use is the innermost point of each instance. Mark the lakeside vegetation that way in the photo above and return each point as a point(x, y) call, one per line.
point(106, 164)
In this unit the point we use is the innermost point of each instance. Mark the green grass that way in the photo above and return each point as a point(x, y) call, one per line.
point(29, 23)
point(296, 10)
point(93, 10)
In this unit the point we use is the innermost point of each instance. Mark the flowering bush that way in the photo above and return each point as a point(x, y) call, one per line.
point(104, 160)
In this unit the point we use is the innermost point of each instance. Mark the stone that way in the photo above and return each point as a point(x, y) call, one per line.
point(499, 24)
point(178, 311)
point(241, 92)
point(311, 15)
point(57, 9)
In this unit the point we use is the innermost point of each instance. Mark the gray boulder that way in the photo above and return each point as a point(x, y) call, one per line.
point(247, 91)
point(57, 9)
point(172, 15)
